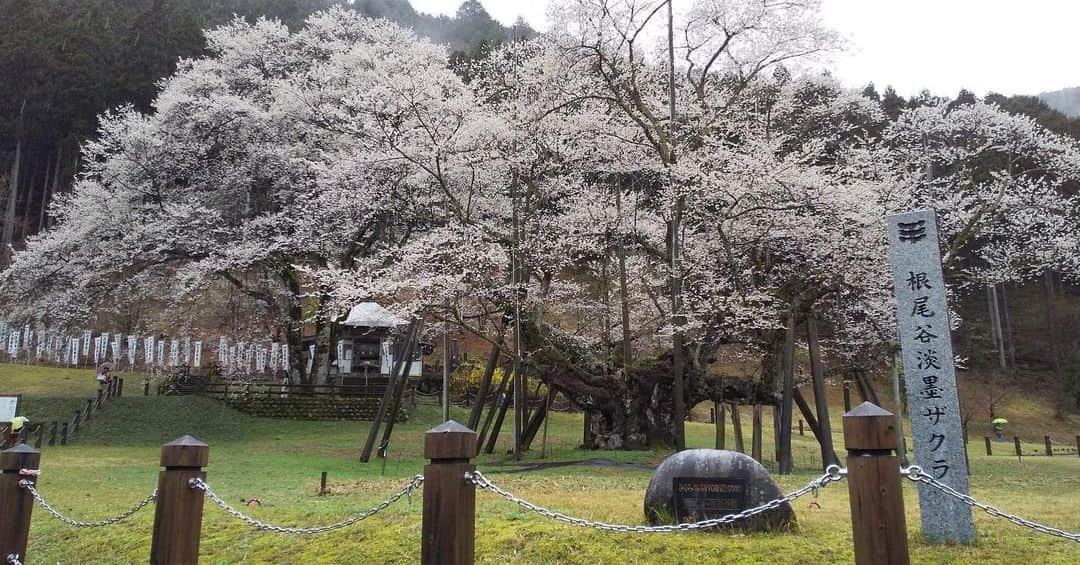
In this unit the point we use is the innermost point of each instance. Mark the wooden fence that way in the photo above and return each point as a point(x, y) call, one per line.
point(1048, 449)
point(59, 432)
point(449, 496)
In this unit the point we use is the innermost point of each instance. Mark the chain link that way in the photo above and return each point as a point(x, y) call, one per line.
point(832, 474)
point(13, 559)
point(916, 474)
point(29, 486)
point(406, 491)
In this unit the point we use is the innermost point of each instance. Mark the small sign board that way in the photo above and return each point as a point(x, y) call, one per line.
point(704, 498)
point(922, 316)
point(9, 406)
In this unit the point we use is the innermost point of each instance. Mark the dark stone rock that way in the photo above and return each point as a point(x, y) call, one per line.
point(733, 481)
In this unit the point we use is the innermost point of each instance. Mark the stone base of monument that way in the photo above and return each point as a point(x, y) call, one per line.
point(701, 484)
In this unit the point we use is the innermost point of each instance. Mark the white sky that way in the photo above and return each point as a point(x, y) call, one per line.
point(1006, 46)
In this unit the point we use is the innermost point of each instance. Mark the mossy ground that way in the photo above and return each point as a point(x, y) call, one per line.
point(114, 463)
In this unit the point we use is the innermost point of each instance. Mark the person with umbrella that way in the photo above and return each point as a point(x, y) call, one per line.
point(998, 431)
point(103, 375)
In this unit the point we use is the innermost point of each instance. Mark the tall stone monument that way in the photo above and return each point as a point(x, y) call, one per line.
point(929, 373)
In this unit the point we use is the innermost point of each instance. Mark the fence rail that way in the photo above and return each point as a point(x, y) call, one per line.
point(51, 433)
point(449, 484)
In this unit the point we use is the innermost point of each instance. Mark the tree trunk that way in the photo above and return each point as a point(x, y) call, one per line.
point(1010, 344)
point(785, 461)
point(13, 189)
point(50, 186)
point(820, 400)
point(1052, 337)
point(624, 296)
point(995, 325)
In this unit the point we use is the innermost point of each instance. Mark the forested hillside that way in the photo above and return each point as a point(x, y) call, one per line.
point(1066, 101)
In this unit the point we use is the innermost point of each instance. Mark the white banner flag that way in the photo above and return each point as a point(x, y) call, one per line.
point(116, 350)
point(132, 349)
point(148, 351)
point(97, 350)
point(86, 336)
point(161, 352)
point(275, 355)
point(74, 351)
point(187, 350)
point(197, 357)
point(223, 351)
point(174, 352)
point(105, 345)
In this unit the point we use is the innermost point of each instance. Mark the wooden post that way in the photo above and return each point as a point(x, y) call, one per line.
point(801, 427)
point(736, 428)
point(146, 387)
point(755, 434)
point(39, 439)
point(119, 387)
point(89, 409)
point(53, 431)
point(15, 501)
point(63, 433)
point(877, 498)
point(178, 515)
point(100, 396)
point(449, 499)
point(1049, 447)
point(988, 450)
point(1078, 446)
point(322, 484)
point(718, 411)
point(1016, 443)
point(847, 396)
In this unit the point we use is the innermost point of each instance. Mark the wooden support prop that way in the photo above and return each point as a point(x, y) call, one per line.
point(847, 396)
point(736, 428)
point(53, 431)
point(988, 450)
point(119, 388)
point(63, 433)
point(448, 530)
point(1049, 446)
point(1016, 444)
point(877, 497)
point(755, 434)
point(89, 409)
point(146, 387)
point(1078, 446)
point(178, 514)
point(485, 386)
point(718, 410)
point(322, 484)
point(16, 502)
point(499, 390)
point(39, 437)
point(501, 407)
point(387, 398)
point(801, 427)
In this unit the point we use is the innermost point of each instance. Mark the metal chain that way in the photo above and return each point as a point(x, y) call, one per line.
point(29, 486)
point(833, 473)
point(916, 474)
point(13, 559)
point(406, 492)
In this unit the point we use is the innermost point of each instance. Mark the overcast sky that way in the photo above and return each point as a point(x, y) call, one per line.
point(1006, 46)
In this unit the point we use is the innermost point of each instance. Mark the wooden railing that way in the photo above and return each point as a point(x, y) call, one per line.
point(63, 431)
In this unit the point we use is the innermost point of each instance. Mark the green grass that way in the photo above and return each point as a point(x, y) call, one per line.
point(115, 462)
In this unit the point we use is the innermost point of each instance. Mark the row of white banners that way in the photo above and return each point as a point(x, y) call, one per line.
point(161, 352)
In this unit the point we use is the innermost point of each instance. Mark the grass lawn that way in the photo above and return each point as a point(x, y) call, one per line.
point(114, 463)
